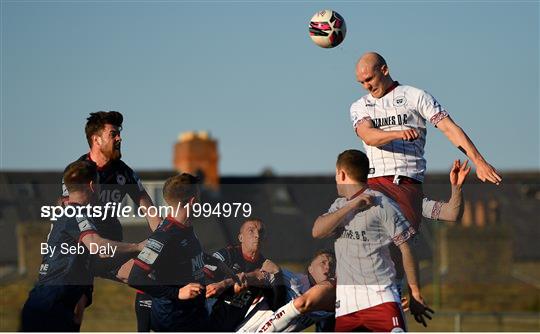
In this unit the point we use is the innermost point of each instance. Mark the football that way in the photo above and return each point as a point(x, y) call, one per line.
point(327, 28)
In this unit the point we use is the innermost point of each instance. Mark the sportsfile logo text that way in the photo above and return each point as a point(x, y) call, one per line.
point(118, 210)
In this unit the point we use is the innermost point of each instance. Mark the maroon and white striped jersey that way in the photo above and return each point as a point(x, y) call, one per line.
point(403, 107)
point(364, 269)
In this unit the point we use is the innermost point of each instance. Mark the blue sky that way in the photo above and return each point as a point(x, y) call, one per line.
point(248, 73)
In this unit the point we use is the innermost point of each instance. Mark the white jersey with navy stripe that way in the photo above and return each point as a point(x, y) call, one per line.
point(402, 108)
point(364, 269)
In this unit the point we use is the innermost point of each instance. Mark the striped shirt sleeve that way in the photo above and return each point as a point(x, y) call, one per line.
point(358, 113)
point(431, 109)
point(395, 224)
point(431, 209)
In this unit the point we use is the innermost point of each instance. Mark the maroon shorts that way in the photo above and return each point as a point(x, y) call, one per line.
point(407, 194)
point(386, 317)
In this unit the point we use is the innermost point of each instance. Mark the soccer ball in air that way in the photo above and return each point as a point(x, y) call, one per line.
point(327, 28)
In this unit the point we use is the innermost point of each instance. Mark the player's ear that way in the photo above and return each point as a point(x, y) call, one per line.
point(240, 237)
point(96, 140)
point(92, 186)
point(385, 70)
point(342, 175)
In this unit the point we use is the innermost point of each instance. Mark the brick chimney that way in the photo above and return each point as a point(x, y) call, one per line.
point(197, 153)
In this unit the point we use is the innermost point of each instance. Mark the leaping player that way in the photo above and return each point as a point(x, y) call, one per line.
point(391, 121)
point(322, 296)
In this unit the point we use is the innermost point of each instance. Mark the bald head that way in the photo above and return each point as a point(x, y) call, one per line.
point(370, 60)
point(372, 72)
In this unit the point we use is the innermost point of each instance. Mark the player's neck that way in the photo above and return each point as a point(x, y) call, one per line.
point(352, 190)
point(250, 254)
point(388, 86)
point(98, 157)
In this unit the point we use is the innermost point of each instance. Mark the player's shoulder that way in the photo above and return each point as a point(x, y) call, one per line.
point(409, 89)
point(163, 232)
point(226, 253)
point(380, 200)
point(338, 203)
point(84, 157)
point(360, 103)
point(121, 165)
point(411, 92)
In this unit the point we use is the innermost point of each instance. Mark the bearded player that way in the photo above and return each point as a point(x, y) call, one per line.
point(116, 180)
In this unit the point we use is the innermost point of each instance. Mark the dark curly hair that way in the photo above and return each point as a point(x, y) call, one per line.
point(97, 120)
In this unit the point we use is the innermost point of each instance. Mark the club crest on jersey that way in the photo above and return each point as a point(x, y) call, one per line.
point(337, 304)
point(120, 179)
point(399, 101)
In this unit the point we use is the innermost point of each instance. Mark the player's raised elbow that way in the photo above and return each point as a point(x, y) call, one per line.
point(317, 232)
point(371, 142)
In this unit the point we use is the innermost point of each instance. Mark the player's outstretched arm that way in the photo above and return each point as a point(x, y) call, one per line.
point(456, 135)
point(451, 210)
point(138, 272)
point(326, 224)
point(94, 239)
point(376, 137)
point(418, 307)
point(216, 289)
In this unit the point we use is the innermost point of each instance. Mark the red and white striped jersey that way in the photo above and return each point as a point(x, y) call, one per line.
point(401, 108)
point(364, 269)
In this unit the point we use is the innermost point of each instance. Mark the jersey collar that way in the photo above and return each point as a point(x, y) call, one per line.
point(100, 169)
point(391, 88)
point(176, 222)
point(357, 193)
point(248, 259)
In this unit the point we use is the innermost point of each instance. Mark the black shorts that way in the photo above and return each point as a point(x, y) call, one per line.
point(56, 318)
point(51, 308)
